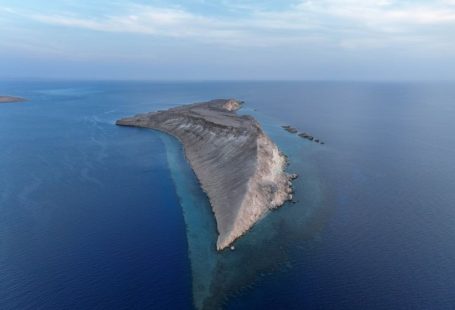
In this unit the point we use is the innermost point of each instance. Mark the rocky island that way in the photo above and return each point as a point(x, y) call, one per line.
point(240, 169)
point(302, 135)
point(8, 99)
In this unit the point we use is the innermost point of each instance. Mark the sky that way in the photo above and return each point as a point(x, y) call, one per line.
point(228, 39)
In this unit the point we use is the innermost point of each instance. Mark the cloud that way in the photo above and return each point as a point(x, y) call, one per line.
point(390, 12)
point(247, 37)
point(344, 24)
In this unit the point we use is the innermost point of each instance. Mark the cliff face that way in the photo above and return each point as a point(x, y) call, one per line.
point(238, 166)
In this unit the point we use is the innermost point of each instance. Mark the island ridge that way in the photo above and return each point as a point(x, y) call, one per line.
point(239, 167)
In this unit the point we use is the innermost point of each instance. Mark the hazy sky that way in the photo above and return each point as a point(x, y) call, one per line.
point(224, 39)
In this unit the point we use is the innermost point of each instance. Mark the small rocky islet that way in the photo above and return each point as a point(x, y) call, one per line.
point(303, 135)
point(10, 99)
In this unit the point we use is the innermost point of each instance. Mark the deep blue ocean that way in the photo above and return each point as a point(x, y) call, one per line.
point(95, 216)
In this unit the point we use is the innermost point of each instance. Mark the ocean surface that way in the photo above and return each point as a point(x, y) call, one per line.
point(95, 216)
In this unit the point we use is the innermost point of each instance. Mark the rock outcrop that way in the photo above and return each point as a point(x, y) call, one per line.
point(302, 135)
point(238, 166)
point(7, 99)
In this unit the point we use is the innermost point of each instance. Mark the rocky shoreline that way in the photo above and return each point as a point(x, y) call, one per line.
point(9, 99)
point(238, 166)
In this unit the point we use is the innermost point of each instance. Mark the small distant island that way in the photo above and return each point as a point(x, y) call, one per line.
point(8, 99)
point(239, 167)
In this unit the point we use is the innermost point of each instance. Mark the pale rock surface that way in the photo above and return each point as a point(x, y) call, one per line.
point(238, 166)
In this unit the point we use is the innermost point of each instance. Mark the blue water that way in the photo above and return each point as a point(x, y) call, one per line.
point(97, 216)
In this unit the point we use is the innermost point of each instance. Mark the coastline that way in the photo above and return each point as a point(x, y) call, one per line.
point(199, 220)
point(241, 170)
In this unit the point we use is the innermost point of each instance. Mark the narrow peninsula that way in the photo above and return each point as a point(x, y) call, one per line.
point(8, 99)
point(241, 170)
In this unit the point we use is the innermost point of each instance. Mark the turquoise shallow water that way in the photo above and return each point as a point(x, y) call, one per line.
point(219, 275)
point(200, 223)
point(93, 216)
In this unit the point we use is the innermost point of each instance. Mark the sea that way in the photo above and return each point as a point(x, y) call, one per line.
point(96, 216)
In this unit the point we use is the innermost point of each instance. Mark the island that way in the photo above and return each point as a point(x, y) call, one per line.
point(8, 99)
point(290, 129)
point(302, 135)
point(238, 166)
